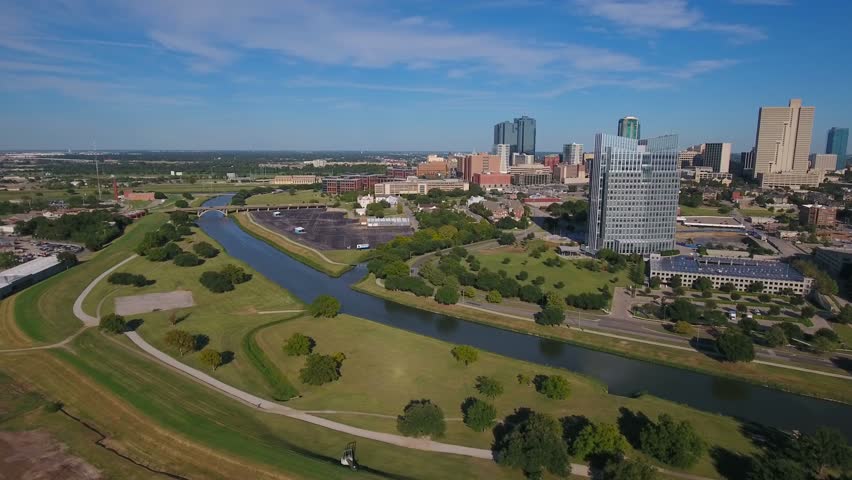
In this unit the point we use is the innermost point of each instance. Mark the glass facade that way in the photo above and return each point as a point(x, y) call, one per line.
point(525, 129)
point(629, 127)
point(838, 138)
point(633, 194)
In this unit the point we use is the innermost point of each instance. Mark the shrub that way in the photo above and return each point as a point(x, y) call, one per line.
point(683, 328)
point(673, 443)
point(530, 293)
point(489, 386)
point(324, 306)
point(736, 296)
point(235, 274)
point(507, 260)
point(764, 297)
point(210, 357)
point(559, 284)
point(216, 282)
point(182, 340)
point(478, 414)
point(522, 275)
point(298, 345)
point(160, 196)
point(421, 418)
point(538, 281)
point(181, 204)
point(468, 292)
point(493, 297)
point(204, 249)
point(555, 387)
point(124, 278)
point(775, 337)
point(465, 354)
point(112, 323)
point(447, 295)
point(523, 379)
point(187, 260)
point(320, 369)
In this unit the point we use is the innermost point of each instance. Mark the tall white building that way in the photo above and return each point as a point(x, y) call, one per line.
point(522, 159)
point(826, 162)
point(717, 156)
point(572, 153)
point(783, 142)
point(504, 151)
point(633, 191)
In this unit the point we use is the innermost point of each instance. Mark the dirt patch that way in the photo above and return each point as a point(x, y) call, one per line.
point(153, 302)
point(37, 455)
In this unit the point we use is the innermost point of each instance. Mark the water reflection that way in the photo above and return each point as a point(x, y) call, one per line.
point(551, 349)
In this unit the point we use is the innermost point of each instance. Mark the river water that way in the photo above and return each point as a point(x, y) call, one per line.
point(623, 376)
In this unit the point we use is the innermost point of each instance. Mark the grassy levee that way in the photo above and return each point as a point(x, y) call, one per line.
point(43, 312)
point(180, 426)
point(387, 367)
point(291, 248)
point(279, 386)
point(803, 383)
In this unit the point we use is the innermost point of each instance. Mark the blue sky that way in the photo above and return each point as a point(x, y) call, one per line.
point(410, 74)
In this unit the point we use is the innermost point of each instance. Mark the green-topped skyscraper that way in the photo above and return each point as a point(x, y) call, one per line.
point(629, 127)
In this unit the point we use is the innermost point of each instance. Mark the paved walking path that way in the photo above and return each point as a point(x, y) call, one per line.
point(84, 317)
point(321, 255)
point(269, 312)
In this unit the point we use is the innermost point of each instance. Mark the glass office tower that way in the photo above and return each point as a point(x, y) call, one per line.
point(525, 129)
point(633, 194)
point(629, 127)
point(838, 138)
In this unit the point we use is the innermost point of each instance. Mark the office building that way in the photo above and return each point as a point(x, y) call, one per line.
point(782, 145)
point(492, 181)
point(838, 138)
point(717, 156)
point(570, 174)
point(295, 180)
point(572, 153)
point(414, 186)
point(506, 134)
point(633, 194)
point(629, 127)
point(479, 163)
point(525, 129)
point(434, 169)
point(351, 183)
point(824, 162)
point(836, 261)
point(741, 272)
point(400, 173)
point(747, 163)
point(687, 158)
point(817, 215)
point(435, 158)
point(530, 174)
point(504, 151)
point(551, 160)
point(522, 159)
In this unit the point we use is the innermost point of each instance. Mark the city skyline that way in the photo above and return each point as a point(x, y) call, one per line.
point(414, 77)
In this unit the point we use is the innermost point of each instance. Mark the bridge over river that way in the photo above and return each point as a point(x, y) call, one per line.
point(228, 209)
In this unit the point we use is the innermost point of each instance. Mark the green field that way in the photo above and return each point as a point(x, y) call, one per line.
point(701, 211)
point(845, 333)
point(385, 368)
point(576, 280)
point(757, 212)
point(285, 198)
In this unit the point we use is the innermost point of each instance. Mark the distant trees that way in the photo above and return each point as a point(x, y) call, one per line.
point(478, 414)
point(465, 354)
point(489, 386)
point(182, 340)
point(324, 306)
point(555, 387)
point(320, 369)
point(421, 418)
point(735, 346)
point(299, 344)
point(93, 229)
point(673, 443)
point(534, 445)
point(112, 323)
point(211, 358)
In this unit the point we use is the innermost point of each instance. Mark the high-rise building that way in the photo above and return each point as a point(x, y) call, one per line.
point(504, 151)
point(572, 153)
point(826, 162)
point(838, 138)
point(783, 142)
point(525, 129)
point(505, 134)
point(479, 163)
point(629, 127)
point(633, 194)
point(717, 156)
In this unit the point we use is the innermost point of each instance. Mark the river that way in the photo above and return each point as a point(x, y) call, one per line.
point(623, 376)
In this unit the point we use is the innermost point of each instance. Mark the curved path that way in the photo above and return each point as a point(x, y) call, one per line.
point(84, 317)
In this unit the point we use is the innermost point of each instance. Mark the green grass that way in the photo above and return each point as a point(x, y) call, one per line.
point(576, 280)
point(385, 368)
point(759, 212)
point(280, 387)
point(701, 212)
point(845, 333)
point(284, 198)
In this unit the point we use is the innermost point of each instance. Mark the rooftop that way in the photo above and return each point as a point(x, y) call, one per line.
point(729, 267)
point(28, 268)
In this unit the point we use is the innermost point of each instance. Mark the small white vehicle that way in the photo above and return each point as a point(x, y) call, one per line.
point(276, 214)
point(362, 246)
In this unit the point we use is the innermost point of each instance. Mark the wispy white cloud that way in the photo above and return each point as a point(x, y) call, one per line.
point(90, 90)
point(768, 3)
point(306, 82)
point(13, 66)
point(700, 67)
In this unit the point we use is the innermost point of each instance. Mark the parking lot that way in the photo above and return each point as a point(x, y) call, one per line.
point(26, 249)
point(327, 230)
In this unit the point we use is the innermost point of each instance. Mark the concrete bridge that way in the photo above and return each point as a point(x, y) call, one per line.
point(228, 209)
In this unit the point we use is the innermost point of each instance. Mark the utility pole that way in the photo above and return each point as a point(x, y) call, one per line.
point(97, 171)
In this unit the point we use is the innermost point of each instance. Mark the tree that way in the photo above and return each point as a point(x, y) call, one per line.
point(748, 325)
point(683, 328)
point(538, 281)
point(506, 238)
point(550, 315)
point(736, 296)
point(160, 196)
point(560, 284)
point(637, 273)
point(675, 281)
point(742, 307)
point(67, 259)
point(727, 287)
point(530, 293)
point(465, 354)
point(735, 346)
point(235, 274)
point(774, 310)
point(824, 344)
point(678, 291)
point(320, 369)
point(478, 414)
point(703, 284)
point(489, 386)
point(623, 469)
point(181, 204)
point(655, 282)
point(808, 311)
point(187, 196)
point(216, 282)
point(598, 440)
point(324, 306)
point(447, 295)
point(182, 340)
point(205, 250)
point(535, 445)
point(493, 297)
point(555, 387)
point(825, 448)
point(522, 275)
point(710, 305)
point(682, 310)
point(845, 315)
point(187, 260)
point(773, 466)
point(671, 442)
point(470, 292)
point(211, 358)
point(112, 323)
point(421, 418)
point(755, 287)
point(796, 300)
point(298, 345)
point(764, 297)
point(792, 331)
point(775, 337)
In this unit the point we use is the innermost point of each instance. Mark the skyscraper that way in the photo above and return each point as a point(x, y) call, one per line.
point(505, 134)
point(633, 194)
point(783, 142)
point(525, 130)
point(718, 156)
point(572, 153)
point(838, 138)
point(504, 151)
point(629, 127)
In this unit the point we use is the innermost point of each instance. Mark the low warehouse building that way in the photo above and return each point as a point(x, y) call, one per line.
point(741, 272)
point(22, 276)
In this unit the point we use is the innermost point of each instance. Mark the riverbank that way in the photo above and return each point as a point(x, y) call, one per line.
point(302, 253)
point(794, 381)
